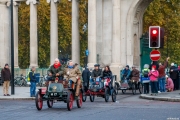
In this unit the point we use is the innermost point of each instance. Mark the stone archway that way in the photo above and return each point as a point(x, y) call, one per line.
point(135, 29)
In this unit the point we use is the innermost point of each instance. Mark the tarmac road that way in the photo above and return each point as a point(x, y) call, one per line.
point(127, 107)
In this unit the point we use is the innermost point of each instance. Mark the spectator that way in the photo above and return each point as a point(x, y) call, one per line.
point(161, 79)
point(153, 75)
point(169, 85)
point(174, 76)
point(33, 82)
point(145, 73)
point(6, 77)
point(86, 77)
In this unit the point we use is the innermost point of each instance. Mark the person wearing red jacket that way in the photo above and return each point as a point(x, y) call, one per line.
point(153, 76)
point(169, 85)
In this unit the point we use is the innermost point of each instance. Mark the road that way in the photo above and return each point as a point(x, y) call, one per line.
point(127, 107)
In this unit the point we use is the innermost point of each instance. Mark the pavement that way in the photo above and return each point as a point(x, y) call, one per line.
point(21, 93)
point(165, 96)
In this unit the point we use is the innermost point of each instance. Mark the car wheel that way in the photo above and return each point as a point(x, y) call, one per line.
point(114, 96)
point(116, 88)
point(123, 91)
point(140, 88)
point(133, 89)
point(106, 94)
point(92, 97)
point(50, 103)
point(70, 99)
point(38, 101)
point(80, 100)
point(84, 97)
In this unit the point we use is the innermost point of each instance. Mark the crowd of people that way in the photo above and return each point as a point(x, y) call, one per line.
point(158, 79)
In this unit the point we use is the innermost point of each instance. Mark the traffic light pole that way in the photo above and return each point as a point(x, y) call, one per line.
point(12, 50)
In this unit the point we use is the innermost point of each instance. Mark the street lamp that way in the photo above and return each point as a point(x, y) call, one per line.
point(12, 50)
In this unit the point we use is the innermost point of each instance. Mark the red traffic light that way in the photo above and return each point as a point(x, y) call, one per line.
point(154, 32)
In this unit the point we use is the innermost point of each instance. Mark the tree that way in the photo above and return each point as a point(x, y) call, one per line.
point(166, 13)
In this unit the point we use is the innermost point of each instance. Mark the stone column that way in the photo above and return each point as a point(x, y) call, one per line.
point(75, 32)
point(54, 30)
point(116, 38)
point(92, 32)
point(33, 33)
point(15, 16)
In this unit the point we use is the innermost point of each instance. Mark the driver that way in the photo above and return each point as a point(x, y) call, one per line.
point(126, 73)
point(73, 74)
point(97, 72)
point(55, 70)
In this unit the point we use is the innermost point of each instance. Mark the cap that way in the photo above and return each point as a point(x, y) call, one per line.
point(166, 76)
point(127, 66)
point(133, 66)
point(172, 64)
point(96, 65)
point(154, 66)
point(6, 64)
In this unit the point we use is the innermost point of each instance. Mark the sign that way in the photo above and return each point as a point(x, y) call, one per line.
point(87, 52)
point(155, 55)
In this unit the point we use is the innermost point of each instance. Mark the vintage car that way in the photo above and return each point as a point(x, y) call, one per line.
point(100, 88)
point(60, 92)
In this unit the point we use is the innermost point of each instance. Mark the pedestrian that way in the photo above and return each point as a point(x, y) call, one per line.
point(33, 82)
point(6, 78)
point(174, 76)
point(145, 73)
point(161, 79)
point(169, 85)
point(153, 76)
point(86, 77)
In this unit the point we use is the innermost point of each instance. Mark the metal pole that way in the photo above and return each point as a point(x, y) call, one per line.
point(12, 50)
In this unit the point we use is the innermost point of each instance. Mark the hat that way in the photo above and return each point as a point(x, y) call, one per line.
point(6, 64)
point(96, 65)
point(172, 64)
point(127, 66)
point(166, 76)
point(133, 66)
point(154, 66)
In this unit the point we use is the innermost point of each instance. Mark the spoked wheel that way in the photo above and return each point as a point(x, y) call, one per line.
point(140, 88)
point(84, 97)
point(116, 88)
point(134, 88)
point(123, 91)
point(106, 94)
point(39, 101)
point(80, 100)
point(70, 99)
point(92, 97)
point(50, 103)
point(114, 96)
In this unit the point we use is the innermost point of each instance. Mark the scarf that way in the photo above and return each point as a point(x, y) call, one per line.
point(70, 67)
point(57, 65)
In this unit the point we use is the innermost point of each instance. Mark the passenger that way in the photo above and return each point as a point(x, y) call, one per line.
point(126, 73)
point(107, 73)
point(145, 73)
point(86, 77)
point(73, 74)
point(153, 75)
point(169, 85)
point(135, 74)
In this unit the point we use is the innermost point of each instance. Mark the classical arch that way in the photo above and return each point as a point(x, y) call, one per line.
point(135, 29)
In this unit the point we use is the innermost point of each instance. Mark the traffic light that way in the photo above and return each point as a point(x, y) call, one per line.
point(154, 37)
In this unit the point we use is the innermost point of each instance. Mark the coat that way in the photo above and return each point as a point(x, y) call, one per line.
point(135, 75)
point(97, 73)
point(54, 71)
point(72, 74)
point(173, 74)
point(161, 70)
point(170, 84)
point(125, 73)
point(86, 75)
point(153, 75)
point(107, 74)
point(32, 77)
point(5, 74)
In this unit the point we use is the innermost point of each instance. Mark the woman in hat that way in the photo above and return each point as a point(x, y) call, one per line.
point(169, 85)
point(153, 76)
